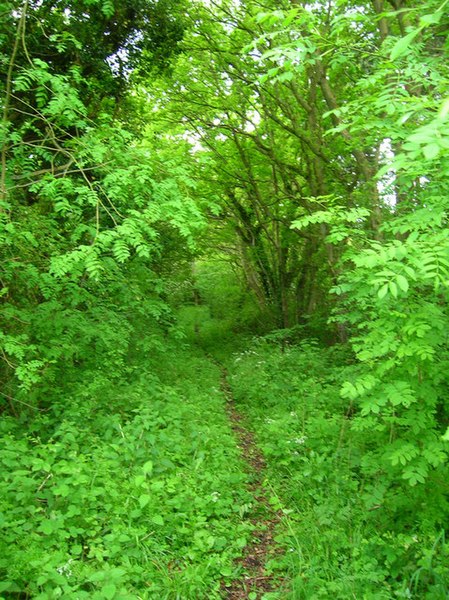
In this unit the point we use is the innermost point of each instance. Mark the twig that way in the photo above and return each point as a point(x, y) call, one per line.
point(7, 101)
point(49, 476)
point(20, 402)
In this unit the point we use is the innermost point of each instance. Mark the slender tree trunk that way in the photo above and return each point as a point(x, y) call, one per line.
point(7, 102)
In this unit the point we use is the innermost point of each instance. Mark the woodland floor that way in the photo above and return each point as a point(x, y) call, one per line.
point(216, 472)
point(180, 489)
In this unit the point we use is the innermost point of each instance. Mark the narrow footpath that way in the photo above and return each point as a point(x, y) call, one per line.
point(256, 580)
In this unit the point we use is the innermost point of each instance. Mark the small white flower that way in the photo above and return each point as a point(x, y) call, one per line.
point(214, 496)
point(300, 440)
point(65, 569)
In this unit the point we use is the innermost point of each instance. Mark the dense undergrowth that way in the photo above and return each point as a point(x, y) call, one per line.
point(128, 490)
point(338, 540)
point(135, 487)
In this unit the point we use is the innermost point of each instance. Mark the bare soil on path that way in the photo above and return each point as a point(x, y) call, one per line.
point(256, 581)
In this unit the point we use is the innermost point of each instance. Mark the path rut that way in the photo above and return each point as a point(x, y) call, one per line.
point(256, 580)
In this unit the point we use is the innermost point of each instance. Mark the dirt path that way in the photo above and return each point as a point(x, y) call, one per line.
point(256, 581)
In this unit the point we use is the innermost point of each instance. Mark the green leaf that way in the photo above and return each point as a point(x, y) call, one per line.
point(143, 500)
point(393, 289)
point(47, 527)
point(121, 251)
point(415, 474)
point(402, 46)
point(5, 585)
point(348, 390)
point(107, 8)
point(291, 15)
point(286, 76)
point(383, 291)
point(431, 151)
point(62, 490)
point(140, 481)
point(109, 591)
point(148, 467)
point(402, 283)
point(431, 19)
point(157, 520)
point(444, 110)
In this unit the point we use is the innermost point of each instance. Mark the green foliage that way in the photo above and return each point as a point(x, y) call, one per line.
point(393, 289)
point(213, 309)
point(128, 490)
point(314, 141)
point(343, 533)
point(86, 216)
